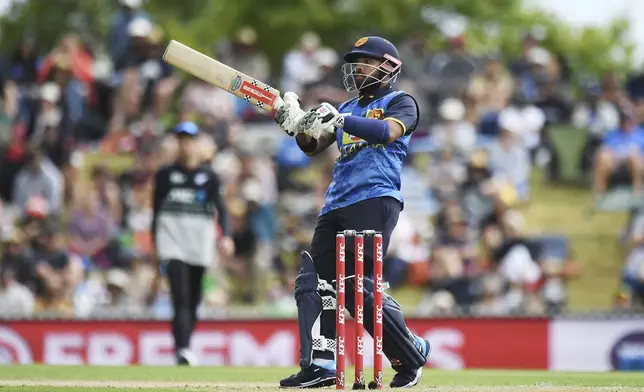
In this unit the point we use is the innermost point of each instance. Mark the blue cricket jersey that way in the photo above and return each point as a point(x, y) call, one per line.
point(623, 143)
point(365, 171)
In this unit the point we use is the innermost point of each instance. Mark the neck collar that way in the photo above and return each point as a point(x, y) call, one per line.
point(369, 94)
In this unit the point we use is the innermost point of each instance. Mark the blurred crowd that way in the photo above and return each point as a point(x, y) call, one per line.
point(83, 128)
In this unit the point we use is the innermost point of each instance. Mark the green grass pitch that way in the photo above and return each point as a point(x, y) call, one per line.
point(37, 378)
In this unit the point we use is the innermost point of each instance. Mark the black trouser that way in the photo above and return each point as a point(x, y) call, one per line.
point(587, 156)
point(379, 214)
point(185, 288)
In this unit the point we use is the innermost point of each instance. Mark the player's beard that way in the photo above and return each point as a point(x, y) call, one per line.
point(363, 78)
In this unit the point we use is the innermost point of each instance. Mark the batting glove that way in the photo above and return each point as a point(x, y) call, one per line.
point(323, 118)
point(289, 114)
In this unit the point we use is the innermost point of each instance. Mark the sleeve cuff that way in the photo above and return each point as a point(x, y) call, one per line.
point(399, 122)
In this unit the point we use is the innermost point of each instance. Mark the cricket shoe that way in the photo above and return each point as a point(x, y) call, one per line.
point(407, 378)
point(185, 357)
point(313, 376)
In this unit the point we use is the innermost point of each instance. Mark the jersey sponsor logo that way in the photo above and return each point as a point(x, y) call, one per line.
point(177, 178)
point(348, 149)
point(350, 139)
point(181, 195)
point(186, 196)
point(265, 97)
point(201, 178)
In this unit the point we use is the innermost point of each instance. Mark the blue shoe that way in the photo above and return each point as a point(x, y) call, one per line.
point(407, 378)
point(313, 376)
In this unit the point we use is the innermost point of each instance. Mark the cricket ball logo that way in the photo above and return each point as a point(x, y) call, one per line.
point(236, 83)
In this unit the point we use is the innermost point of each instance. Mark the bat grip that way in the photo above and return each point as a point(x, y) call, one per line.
point(279, 102)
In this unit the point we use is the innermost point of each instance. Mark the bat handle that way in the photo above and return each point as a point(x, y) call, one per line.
point(279, 102)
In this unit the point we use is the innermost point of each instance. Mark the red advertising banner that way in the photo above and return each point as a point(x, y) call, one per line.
point(456, 343)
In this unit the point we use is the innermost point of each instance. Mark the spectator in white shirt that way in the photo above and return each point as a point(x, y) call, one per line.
point(39, 177)
point(531, 121)
point(509, 159)
point(454, 132)
point(15, 299)
point(595, 114)
point(491, 303)
point(302, 66)
point(517, 265)
point(207, 102)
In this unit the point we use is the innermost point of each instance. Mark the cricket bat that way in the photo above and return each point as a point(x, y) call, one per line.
point(218, 74)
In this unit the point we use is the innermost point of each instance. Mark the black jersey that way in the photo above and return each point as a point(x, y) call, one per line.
point(185, 204)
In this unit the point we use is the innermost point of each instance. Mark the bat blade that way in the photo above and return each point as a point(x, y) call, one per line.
point(219, 74)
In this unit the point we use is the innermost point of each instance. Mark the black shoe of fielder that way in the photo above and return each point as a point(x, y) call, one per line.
point(313, 376)
point(185, 357)
point(407, 378)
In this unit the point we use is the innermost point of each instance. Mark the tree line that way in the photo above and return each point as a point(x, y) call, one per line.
point(491, 25)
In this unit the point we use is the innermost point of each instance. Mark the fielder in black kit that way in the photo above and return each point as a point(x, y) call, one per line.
point(186, 197)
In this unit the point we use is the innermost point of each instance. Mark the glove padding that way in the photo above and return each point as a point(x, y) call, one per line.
point(289, 114)
point(323, 118)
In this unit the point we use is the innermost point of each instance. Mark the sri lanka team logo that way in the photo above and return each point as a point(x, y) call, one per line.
point(378, 114)
point(361, 42)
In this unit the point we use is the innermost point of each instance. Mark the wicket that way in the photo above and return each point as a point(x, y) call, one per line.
point(359, 382)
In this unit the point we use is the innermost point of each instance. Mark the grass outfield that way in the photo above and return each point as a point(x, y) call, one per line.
point(96, 378)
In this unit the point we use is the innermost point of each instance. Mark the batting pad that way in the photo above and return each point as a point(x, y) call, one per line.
point(399, 344)
point(316, 304)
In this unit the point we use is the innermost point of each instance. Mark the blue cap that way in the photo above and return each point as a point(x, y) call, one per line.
point(373, 46)
point(187, 128)
point(592, 88)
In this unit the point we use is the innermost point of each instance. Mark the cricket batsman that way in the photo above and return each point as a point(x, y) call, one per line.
point(372, 132)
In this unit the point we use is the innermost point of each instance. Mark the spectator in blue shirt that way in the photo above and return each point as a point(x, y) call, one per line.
point(621, 150)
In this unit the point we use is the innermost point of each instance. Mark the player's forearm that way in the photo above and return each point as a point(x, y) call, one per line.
point(368, 129)
point(311, 146)
point(222, 214)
